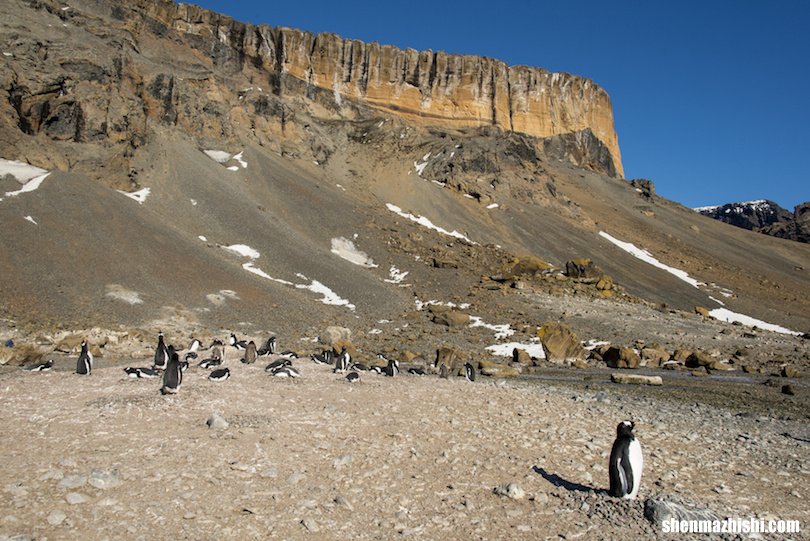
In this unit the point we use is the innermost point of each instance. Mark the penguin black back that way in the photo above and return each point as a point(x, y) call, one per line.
point(161, 353)
point(626, 462)
point(250, 353)
point(84, 365)
point(469, 372)
point(172, 376)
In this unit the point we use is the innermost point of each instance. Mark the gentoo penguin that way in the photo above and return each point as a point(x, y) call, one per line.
point(268, 348)
point(39, 367)
point(85, 363)
point(140, 372)
point(161, 353)
point(286, 372)
point(214, 360)
point(416, 371)
point(359, 366)
point(392, 369)
point(443, 371)
point(250, 353)
point(378, 369)
point(469, 372)
point(327, 356)
point(277, 364)
point(353, 377)
point(193, 346)
point(288, 353)
point(626, 462)
point(342, 361)
point(220, 374)
point(234, 342)
point(172, 376)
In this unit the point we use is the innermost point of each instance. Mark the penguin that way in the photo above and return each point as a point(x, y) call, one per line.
point(289, 354)
point(277, 365)
point(353, 377)
point(39, 367)
point(469, 372)
point(84, 365)
point(626, 463)
point(359, 366)
point(215, 359)
point(219, 375)
point(234, 342)
point(443, 371)
point(378, 369)
point(268, 348)
point(250, 353)
point(327, 356)
point(172, 376)
point(416, 371)
point(392, 369)
point(184, 365)
point(210, 363)
point(193, 346)
point(140, 372)
point(286, 372)
point(342, 361)
point(161, 353)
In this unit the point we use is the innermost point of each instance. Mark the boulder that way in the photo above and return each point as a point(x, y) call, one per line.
point(333, 334)
point(529, 265)
point(452, 358)
point(699, 358)
point(790, 372)
point(680, 355)
point(582, 269)
point(662, 508)
point(721, 366)
point(701, 311)
point(636, 379)
point(621, 357)
point(605, 283)
point(560, 343)
point(497, 370)
point(451, 318)
point(788, 389)
point(654, 355)
point(521, 356)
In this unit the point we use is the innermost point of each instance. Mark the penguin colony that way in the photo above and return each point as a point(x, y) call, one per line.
point(626, 460)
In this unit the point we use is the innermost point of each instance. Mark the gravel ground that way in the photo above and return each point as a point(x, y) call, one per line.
point(106, 457)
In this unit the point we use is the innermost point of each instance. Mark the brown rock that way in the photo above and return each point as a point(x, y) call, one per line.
point(560, 343)
point(529, 265)
point(583, 269)
point(702, 311)
point(451, 318)
point(700, 372)
point(681, 355)
point(636, 379)
point(621, 357)
point(790, 372)
point(654, 356)
point(788, 389)
point(720, 366)
point(521, 356)
point(605, 283)
point(699, 358)
point(497, 370)
point(450, 357)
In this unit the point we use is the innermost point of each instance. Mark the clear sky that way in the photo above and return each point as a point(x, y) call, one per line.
point(711, 99)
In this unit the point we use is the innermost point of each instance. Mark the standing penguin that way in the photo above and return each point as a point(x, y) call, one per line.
point(84, 365)
point(342, 361)
point(172, 376)
point(392, 369)
point(250, 353)
point(469, 372)
point(268, 348)
point(161, 353)
point(626, 462)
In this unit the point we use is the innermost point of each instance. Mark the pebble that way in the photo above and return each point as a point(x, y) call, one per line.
point(104, 479)
point(216, 421)
point(310, 525)
point(56, 517)
point(269, 473)
point(510, 490)
point(73, 481)
point(75, 498)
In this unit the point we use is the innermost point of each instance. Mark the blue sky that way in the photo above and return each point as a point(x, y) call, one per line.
point(711, 99)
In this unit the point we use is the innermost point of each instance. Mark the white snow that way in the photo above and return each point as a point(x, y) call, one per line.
point(22, 171)
point(233, 168)
point(493, 206)
point(139, 196)
point(244, 250)
point(120, 293)
point(31, 219)
point(420, 167)
point(344, 248)
point(255, 270)
point(203, 238)
point(240, 160)
point(723, 314)
point(501, 331)
point(721, 303)
point(593, 344)
point(421, 220)
point(219, 156)
point(706, 209)
point(375, 331)
point(193, 202)
point(505, 350)
point(645, 256)
point(329, 296)
point(396, 275)
point(420, 304)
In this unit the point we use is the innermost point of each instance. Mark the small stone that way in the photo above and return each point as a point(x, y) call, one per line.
point(788, 389)
point(343, 502)
point(75, 498)
point(790, 372)
point(269, 473)
point(190, 515)
point(52, 474)
point(56, 517)
point(310, 525)
point(72, 481)
point(104, 479)
point(510, 490)
point(216, 421)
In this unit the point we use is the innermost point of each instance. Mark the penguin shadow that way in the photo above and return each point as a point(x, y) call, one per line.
point(560, 482)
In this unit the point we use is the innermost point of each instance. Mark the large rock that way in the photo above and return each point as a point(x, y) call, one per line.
point(636, 379)
point(333, 334)
point(451, 318)
point(654, 355)
point(497, 370)
point(452, 358)
point(583, 269)
point(522, 357)
point(621, 357)
point(662, 508)
point(699, 358)
point(560, 343)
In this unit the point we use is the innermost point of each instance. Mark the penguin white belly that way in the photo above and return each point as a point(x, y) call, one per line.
point(636, 465)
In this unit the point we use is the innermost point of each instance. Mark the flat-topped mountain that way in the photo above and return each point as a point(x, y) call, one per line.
point(765, 217)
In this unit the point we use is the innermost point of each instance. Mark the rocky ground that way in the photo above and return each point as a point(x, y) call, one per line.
point(107, 457)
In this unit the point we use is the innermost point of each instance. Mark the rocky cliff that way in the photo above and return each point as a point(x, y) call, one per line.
point(431, 88)
point(765, 217)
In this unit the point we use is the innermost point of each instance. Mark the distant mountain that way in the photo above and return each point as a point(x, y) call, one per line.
point(765, 217)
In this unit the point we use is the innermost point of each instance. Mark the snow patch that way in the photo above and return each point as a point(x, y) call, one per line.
point(344, 248)
point(420, 166)
point(328, 296)
point(501, 331)
point(219, 156)
point(31, 219)
point(645, 256)
point(505, 350)
point(493, 206)
point(244, 250)
point(593, 344)
point(123, 294)
point(203, 238)
point(421, 220)
point(375, 331)
point(395, 275)
point(21, 171)
point(259, 272)
point(724, 314)
point(240, 160)
point(139, 196)
point(420, 305)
